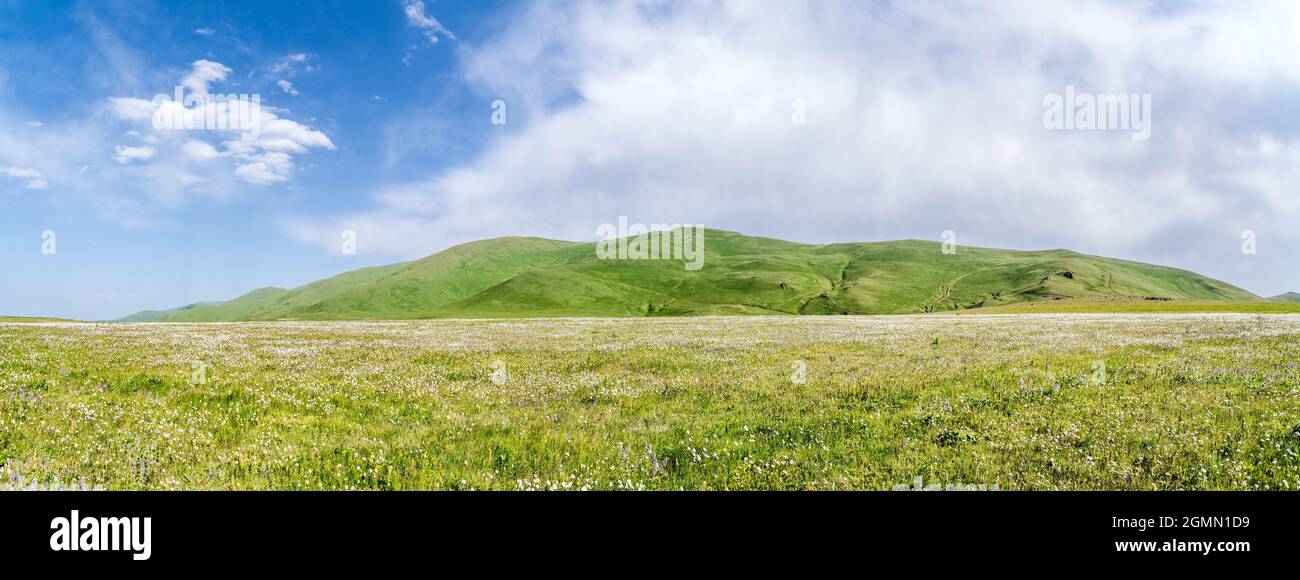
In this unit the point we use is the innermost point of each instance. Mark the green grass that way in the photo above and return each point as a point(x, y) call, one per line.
point(1169, 401)
point(22, 319)
point(1098, 306)
point(742, 275)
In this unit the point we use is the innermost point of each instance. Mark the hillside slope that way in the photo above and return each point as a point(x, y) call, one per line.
point(742, 275)
point(405, 290)
point(156, 315)
point(1286, 297)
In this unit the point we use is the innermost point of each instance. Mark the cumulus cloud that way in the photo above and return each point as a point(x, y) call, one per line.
point(116, 164)
point(204, 31)
point(857, 121)
point(202, 74)
point(287, 87)
point(255, 137)
point(200, 151)
point(271, 168)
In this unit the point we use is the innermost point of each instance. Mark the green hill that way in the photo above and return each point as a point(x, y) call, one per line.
point(406, 290)
point(156, 315)
point(506, 277)
point(1286, 297)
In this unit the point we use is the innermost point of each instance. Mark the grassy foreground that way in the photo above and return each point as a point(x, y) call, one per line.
point(1170, 401)
point(1138, 305)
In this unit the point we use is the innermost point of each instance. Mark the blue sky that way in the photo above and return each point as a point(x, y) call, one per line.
point(364, 69)
point(917, 118)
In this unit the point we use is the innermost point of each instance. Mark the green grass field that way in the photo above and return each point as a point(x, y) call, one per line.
point(1092, 402)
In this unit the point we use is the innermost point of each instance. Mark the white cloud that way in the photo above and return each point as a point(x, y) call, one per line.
point(202, 74)
point(287, 87)
point(20, 172)
point(428, 25)
point(920, 118)
point(276, 128)
point(261, 157)
point(127, 155)
point(70, 156)
point(204, 31)
point(200, 151)
point(153, 173)
point(131, 109)
point(261, 173)
point(293, 64)
point(31, 176)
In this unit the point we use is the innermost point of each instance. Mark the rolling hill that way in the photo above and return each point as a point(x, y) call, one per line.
point(1286, 297)
point(514, 276)
point(156, 315)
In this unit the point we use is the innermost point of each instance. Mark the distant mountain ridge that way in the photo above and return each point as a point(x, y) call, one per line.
point(516, 276)
point(1286, 297)
point(156, 315)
